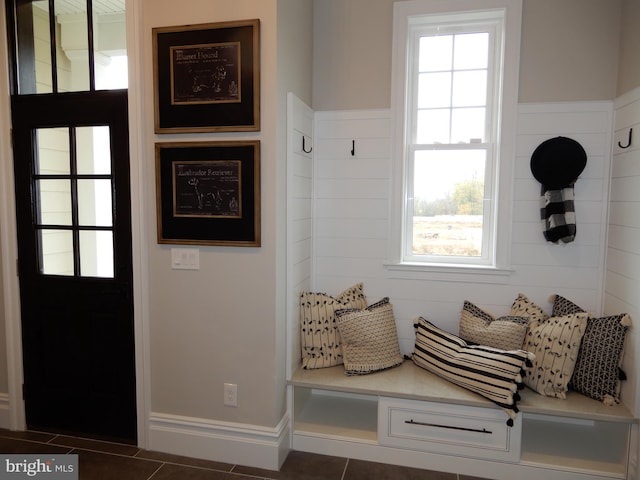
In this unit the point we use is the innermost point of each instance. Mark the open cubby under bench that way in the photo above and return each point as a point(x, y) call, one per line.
point(409, 416)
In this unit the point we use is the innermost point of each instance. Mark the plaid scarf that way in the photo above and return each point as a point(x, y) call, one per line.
point(558, 214)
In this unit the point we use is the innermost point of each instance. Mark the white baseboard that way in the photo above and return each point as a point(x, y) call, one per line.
point(234, 443)
point(4, 411)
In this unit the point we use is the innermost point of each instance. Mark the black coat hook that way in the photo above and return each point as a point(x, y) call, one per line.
point(629, 141)
point(304, 149)
point(353, 147)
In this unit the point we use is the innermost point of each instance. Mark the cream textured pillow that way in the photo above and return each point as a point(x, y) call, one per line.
point(319, 336)
point(369, 338)
point(481, 328)
point(555, 344)
point(523, 307)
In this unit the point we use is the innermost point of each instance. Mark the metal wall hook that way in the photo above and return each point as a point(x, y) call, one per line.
point(353, 147)
point(304, 148)
point(629, 141)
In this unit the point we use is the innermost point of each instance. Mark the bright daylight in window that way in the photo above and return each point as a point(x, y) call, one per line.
point(451, 89)
point(449, 155)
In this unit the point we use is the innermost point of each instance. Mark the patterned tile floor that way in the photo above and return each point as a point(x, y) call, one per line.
point(112, 461)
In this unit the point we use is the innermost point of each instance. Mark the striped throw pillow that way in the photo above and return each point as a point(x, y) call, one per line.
point(493, 373)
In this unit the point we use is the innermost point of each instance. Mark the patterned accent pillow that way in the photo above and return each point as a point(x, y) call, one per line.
point(319, 336)
point(369, 338)
point(481, 328)
point(562, 306)
point(597, 372)
point(555, 343)
point(523, 307)
point(493, 373)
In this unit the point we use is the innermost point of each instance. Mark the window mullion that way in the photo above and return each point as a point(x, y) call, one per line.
point(90, 46)
point(54, 46)
point(73, 151)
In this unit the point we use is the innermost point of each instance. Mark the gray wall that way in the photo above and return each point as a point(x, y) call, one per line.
point(629, 64)
point(569, 51)
point(225, 322)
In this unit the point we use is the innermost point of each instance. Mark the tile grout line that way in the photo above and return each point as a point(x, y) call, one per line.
point(344, 471)
point(156, 471)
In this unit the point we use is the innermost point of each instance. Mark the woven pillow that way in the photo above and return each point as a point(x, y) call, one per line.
point(555, 343)
point(523, 307)
point(493, 373)
point(481, 328)
point(319, 336)
point(597, 372)
point(369, 338)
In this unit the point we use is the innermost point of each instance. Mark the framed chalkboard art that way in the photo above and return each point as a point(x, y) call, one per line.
point(208, 193)
point(207, 77)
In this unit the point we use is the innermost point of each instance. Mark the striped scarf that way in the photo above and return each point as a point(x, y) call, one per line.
point(558, 214)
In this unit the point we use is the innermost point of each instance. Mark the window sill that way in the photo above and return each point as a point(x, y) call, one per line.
point(449, 272)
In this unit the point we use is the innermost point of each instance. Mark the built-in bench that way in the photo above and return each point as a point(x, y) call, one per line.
point(409, 416)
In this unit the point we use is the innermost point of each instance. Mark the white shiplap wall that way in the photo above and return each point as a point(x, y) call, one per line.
point(352, 208)
point(622, 288)
point(299, 217)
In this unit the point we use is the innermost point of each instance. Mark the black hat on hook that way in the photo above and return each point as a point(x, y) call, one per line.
point(556, 163)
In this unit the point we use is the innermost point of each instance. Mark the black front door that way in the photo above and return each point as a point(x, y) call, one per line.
point(71, 157)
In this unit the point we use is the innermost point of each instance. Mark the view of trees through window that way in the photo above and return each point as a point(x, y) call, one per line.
point(450, 152)
point(452, 224)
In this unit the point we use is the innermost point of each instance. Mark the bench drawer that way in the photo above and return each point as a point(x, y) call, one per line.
point(451, 429)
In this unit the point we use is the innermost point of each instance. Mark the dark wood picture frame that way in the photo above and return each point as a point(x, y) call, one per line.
point(207, 77)
point(208, 193)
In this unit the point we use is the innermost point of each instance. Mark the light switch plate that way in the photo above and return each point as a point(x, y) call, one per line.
point(185, 259)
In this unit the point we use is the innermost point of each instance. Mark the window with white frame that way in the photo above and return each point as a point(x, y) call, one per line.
point(455, 84)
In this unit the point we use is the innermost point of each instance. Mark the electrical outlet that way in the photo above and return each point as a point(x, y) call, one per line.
point(231, 394)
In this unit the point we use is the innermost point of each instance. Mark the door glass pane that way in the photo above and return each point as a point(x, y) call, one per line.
point(52, 151)
point(54, 202)
point(56, 248)
point(94, 203)
point(73, 46)
point(96, 254)
point(93, 150)
point(113, 73)
point(41, 55)
point(33, 37)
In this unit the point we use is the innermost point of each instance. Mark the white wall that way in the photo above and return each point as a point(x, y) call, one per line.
point(351, 219)
point(299, 209)
point(623, 248)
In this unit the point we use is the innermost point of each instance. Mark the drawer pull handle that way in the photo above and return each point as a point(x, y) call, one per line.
point(413, 422)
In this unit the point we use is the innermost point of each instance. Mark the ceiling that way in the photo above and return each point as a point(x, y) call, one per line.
point(65, 7)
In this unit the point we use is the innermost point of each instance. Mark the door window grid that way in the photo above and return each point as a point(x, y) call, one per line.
point(74, 218)
point(55, 42)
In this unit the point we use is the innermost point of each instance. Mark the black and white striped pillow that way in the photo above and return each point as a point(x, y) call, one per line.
point(493, 373)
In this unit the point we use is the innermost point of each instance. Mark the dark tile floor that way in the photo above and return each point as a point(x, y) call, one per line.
point(112, 461)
